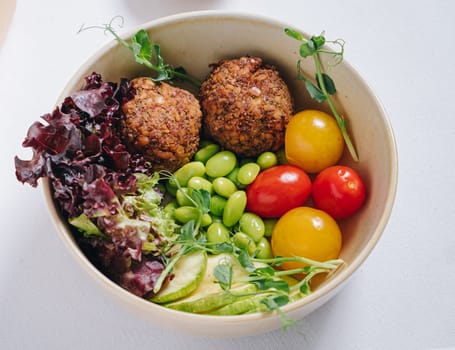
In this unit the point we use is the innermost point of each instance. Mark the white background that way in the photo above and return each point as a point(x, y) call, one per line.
point(401, 298)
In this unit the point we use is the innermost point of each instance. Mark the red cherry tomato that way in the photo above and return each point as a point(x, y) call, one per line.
point(278, 190)
point(339, 191)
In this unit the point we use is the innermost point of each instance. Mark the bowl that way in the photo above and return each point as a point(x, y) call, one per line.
point(7, 9)
point(197, 39)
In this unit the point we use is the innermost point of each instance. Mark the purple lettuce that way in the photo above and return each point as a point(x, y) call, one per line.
point(94, 180)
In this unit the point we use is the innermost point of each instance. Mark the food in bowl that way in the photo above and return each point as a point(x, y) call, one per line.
point(162, 122)
point(246, 105)
point(153, 232)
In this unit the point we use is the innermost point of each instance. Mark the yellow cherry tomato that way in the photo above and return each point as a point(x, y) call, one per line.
point(306, 232)
point(313, 141)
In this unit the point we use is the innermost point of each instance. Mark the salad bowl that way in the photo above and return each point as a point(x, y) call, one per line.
point(196, 40)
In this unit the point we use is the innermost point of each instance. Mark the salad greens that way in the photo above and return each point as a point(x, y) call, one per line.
point(325, 86)
point(106, 192)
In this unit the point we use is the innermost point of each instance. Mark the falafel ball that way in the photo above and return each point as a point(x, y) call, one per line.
point(162, 122)
point(246, 106)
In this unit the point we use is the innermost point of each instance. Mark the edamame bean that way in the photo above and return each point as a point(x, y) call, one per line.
point(267, 160)
point(186, 213)
point(263, 249)
point(220, 164)
point(182, 195)
point(224, 187)
point(247, 173)
point(199, 183)
point(217, 233)
point(234, 208)
point(204, 153)
point(186, 172)
point(171, 206)
point(217, 204)
point(233, 177)
point(269, 224)
point(252, 225)
point(243, 241)
point(206, 220)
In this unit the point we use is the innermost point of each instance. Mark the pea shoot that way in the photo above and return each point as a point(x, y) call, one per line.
point(325, 86)
point(147, 53)
point(272, 289)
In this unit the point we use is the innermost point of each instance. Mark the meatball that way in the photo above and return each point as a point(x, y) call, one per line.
point(162, 122)
point(246, 106)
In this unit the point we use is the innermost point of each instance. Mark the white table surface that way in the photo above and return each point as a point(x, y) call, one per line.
point(403, 297)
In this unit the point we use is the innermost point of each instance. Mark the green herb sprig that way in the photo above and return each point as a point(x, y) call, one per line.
point(146, 53)
point(273, 291)
point(325, 86)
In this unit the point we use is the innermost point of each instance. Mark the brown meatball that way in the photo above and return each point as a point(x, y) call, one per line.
point(246, 106)
point(162, 122)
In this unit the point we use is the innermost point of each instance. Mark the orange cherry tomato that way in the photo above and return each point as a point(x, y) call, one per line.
point(313, 141)
point(306, 232)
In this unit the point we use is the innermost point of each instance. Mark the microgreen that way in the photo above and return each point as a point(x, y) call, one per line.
point(223, 275)
point(272, 289)
point(147, 53)
point(324, 88)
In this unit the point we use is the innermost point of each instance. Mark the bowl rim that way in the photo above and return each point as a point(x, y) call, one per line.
point(322, 291)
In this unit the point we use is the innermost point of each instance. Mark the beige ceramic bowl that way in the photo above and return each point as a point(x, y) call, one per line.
point(7, 8)
point(195, 40)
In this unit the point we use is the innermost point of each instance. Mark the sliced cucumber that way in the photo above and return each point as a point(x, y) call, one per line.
point(209, 302)
point(239, 307)
point(209, 293)
point(188, 274)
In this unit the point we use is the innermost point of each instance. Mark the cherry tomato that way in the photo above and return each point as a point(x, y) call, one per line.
point(313, 141)
point(277, 190)
point(306, 232)
point(339, 191)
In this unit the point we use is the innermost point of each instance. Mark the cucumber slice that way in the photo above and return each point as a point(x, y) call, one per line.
point(239, 307)
point(212, 301)
point(188, 273)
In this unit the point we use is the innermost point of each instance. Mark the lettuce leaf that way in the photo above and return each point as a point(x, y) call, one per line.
point(108, 194)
